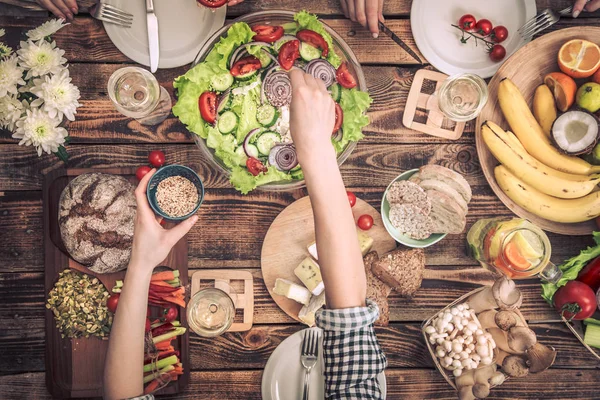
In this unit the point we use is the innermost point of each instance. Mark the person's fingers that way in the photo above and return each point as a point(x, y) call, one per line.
point(48, 5)
point(351, 10)
point(175, 234)
point(381, 17)
point(311, 82)
point(372, 12)
point(63, 7)
point(361, 16)
point(72, 4)
point(578, 7)
point(297, 77)
point(143, 207)
point(345, 8)
point(321, 86)
point(592, 5)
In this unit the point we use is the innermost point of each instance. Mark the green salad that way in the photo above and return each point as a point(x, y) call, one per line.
point(238, 98)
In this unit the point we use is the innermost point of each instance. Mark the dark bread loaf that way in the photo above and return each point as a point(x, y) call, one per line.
point(401, 269)
point(96, 218)
point(377, 291)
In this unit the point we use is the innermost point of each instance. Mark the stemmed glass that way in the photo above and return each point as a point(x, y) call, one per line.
point(460, 98)
point(211, 311)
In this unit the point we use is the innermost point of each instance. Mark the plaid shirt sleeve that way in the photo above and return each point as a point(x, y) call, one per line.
point(353, 358)
point(145, 397)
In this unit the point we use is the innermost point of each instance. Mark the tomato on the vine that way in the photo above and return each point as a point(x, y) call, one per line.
point(499, 34)
point(484, 27)
point(142, 171)
point(365, 222)
point(467, 22)
point(497, 52)
point(351, 198)
point(575, 300)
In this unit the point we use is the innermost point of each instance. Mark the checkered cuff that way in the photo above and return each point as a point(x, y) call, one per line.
point(353, 358)
point(145, 397)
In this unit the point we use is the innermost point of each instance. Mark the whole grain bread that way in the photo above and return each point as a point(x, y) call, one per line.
point(440, 186)
point(406, 192)
point(96, 219)
point(454, 179)
point(415, 178)
point(411, 221)
point(377, 290)
point(402, 269)
point(446, 215)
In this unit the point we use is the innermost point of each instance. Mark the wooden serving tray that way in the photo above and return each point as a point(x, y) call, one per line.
point(74, 367)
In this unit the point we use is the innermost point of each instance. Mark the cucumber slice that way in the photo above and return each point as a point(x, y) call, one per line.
point(243, 157)
point(264, 58)
point(290, 28)
point(308, 52)
point(225, 103)
point(267, 115)
point(336, 92)
point(227, 122)
point(252, 150)
point(222, 82)
point(266, 141)
point(247, 77)
point(297, 174)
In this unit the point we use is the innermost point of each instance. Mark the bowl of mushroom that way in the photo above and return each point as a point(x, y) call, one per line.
point(482, 339)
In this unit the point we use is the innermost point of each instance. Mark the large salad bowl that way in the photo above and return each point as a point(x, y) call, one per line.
point(280, 17)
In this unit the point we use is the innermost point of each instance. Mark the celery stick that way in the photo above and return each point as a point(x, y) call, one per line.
point(592, 336)
point(591, 321)
point(161, 363)
point(116, 290)
point(156, 325)
point(155, 375)
point(168, 335)
point(119, 284)
point(175, 282)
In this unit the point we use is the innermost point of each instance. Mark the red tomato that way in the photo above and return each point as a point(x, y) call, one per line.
point(339, 118)
point(142, 171)
point(314, 39)
point(208, 106)
point(170, 314)
point(467, 22)
point(499, 34)
point(245, 65)
point(267, 33)
point(497, 53)
point(288, 53)
point(212, 3)
point(156, 158)
point(255, 166)
point(575, 300)
point(365, 222)
point(484, 27)
point(344, 77)
point(351, 198)
point(590, 274)
point(112, 302)
point(148, 327)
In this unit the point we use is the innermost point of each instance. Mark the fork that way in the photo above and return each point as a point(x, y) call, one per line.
point(309, 357)
point(106, 12)
point(543, 20)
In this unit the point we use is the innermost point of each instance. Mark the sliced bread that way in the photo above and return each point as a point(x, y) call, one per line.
point(415, 178)
point(401, 269)
point(441, 186)
point(405, 192)
point(454, 179)
point(377, 291)
point(411, 220)
point(447, 216)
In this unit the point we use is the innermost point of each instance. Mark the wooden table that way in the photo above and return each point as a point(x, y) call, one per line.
point(230, 367)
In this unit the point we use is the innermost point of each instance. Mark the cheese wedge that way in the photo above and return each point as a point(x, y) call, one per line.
point(310, 274)
point(312, 250)
point(307, 313)
point(292, 291)
point(364, 241)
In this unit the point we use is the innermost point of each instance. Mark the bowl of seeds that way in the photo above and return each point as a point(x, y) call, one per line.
point(175, 192)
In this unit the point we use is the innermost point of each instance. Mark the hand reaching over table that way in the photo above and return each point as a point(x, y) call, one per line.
point(64, 9)
point(587, 5)
point(368, 13)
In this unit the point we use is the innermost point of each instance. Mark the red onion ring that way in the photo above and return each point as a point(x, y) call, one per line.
point(247, 140)
point(321, 69)
point(278, 89)
point(241, 51)
point(283, 157)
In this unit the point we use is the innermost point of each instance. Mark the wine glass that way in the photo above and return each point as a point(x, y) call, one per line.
point(211, 311)
point(460, 98)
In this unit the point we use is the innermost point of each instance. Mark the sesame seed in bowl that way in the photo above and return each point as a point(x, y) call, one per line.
point(175, 192)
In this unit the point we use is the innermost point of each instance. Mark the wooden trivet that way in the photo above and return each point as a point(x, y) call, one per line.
point(223, 279)
point(422, 113)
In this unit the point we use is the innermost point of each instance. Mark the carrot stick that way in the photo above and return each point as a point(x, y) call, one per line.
point(164, 345)
point(160, 283)
point(175, 300)
point(165, 276)
point(152, 386)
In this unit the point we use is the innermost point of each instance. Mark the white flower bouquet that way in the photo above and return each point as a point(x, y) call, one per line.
point(36, 92)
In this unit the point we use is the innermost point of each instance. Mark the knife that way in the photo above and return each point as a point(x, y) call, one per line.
point(399, 41)
point(152, 24)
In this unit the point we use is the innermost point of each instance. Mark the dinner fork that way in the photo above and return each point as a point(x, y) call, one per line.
point(106, 12)
point(543, 20)
point(309, 357)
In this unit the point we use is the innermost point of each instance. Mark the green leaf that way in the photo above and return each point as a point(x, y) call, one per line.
point(245, 182)
point(354, 104)
point(310, 21)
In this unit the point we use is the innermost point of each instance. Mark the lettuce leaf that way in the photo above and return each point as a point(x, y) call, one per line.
point(245, 182)
point(186, 108)
point(310, 21)
point(238, 34)
point(354, 104)
point(247, 112)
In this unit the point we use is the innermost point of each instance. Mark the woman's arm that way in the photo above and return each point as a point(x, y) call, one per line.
point(123, 369)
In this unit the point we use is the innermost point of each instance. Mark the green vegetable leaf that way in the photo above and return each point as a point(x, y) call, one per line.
point(247, 112)
point(187, 109)
point(245, 182)
point(238, 34)
point(354, 104)
point(310, 21)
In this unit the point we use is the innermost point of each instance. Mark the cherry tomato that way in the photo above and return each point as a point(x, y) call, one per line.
point(170, 314)
point(156, 158)
point(499, 34)
point(339, 118)
point(484, 27)
point(344, 77)
point(575, 300)
point(497, 53)
point(351, 198)
point(255, 166)
point(467, 22)
point(212, 3)
point(142, 171)
point(288, 53)
point(267, 33)
point(148, 327)
point(365, 222)
point(208, 106)
point(112, 302)
point(314, 39)
point(245, 65)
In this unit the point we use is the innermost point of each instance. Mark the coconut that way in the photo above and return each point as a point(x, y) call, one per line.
point(575, 132)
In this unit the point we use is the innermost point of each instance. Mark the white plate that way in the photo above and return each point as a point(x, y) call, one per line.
point(439, 42)
point(283, 377)
point(183, 27)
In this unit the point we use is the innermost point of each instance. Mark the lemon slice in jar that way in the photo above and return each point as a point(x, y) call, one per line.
point(529, 244)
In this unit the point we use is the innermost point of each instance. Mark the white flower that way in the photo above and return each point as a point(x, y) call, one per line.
point(40, 58)
point(5, 50)
point(11, 110)
point(40, 130)
point(2, 32)
point(58, 95)
point(46, 29)
point(10, 76)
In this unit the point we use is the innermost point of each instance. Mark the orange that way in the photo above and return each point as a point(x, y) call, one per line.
point(514, 257)
point(564, 89)
point(579, 58)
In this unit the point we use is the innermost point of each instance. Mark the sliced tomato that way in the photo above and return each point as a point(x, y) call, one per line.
point(255, 166)
point(208, 106)
point(314, 39)
point(212, 3)
point(344, 77)
point(267, 33)
point(289, 52)
point(339, 118)
point(245, 65)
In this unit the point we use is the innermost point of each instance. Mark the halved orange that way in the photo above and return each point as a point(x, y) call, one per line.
point(579, 58)
point(564, 89)
point(514, 257)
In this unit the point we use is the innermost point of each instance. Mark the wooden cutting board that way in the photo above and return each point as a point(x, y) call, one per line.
point(74, 367)
point(289, 235)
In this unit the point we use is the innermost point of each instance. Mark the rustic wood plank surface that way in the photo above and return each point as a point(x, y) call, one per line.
point(230, 367)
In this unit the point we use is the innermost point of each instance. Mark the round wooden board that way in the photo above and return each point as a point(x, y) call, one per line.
point(527, 68)
point(289, 235)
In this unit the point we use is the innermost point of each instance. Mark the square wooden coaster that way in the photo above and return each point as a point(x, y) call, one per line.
point(241, 282)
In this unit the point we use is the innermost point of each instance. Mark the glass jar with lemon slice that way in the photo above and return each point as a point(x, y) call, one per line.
point(514, 247)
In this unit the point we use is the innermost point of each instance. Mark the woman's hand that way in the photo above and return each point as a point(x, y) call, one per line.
point(151, 242)
point(581, 5)
point(368, 13)
point(234, 2)
point(64, 9)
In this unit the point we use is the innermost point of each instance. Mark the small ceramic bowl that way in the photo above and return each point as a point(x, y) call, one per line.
point(167, 172)
point(395, 233)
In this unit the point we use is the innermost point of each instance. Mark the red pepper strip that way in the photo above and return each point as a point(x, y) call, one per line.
point(162, 289)
point(162, 329)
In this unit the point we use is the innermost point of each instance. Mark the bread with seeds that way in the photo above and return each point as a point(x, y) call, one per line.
point(411, 220)
point(406, 192)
